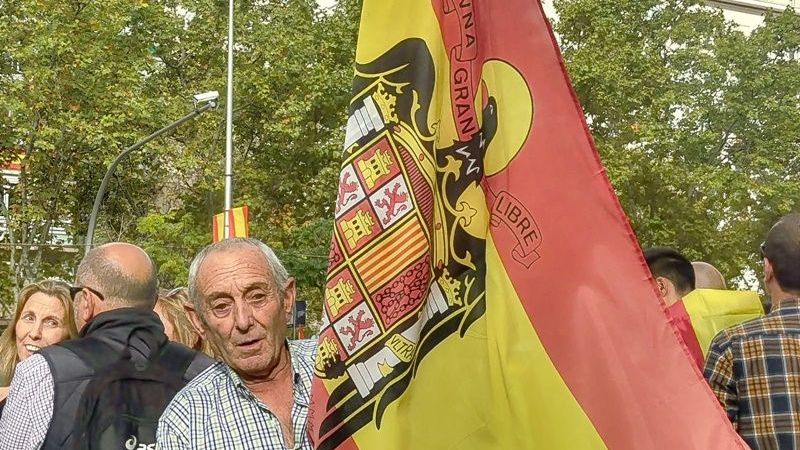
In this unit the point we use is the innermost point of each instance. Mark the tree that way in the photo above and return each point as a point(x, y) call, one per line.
point(83, 80)
point(697, 123)
point(76, 79)
point(292, 82)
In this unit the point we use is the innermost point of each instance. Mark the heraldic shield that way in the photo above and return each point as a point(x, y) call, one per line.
point(407, 267)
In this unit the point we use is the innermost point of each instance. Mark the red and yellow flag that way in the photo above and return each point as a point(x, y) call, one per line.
point(485, 289)
point(712, 311)
point(239, 223)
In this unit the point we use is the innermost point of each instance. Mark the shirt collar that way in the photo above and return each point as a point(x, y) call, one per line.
point(786, 304)
point(300, 391)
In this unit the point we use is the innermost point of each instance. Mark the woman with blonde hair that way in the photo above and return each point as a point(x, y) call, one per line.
point(43, 317)
point(177, 326)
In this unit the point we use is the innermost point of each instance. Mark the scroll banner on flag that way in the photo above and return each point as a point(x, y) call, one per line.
point(485, 290)
point(239, 222)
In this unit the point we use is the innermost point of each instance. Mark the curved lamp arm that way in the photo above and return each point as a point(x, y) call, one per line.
point(98, 199)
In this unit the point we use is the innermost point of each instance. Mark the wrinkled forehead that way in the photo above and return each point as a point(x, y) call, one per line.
point(233, 270)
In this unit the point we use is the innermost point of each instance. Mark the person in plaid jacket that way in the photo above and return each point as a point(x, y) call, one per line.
point(754, 367)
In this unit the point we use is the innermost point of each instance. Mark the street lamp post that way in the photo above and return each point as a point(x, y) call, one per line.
point(208, 101)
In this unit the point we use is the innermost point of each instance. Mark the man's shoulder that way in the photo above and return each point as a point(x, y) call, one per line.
point(304, 348)
point(206, 381)
point(303, 353)
point(750, 329)
point(197, 396)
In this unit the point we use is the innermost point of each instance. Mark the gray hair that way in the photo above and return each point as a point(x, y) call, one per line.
point(279, 274)
point(118, 286)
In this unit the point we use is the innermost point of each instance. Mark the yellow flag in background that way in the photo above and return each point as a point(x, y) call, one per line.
point(712, 310)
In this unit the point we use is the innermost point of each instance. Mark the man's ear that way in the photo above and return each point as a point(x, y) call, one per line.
point(664, 286)
point(194, 317)
point(769, 272)
point(89, 308)
point(289, 295)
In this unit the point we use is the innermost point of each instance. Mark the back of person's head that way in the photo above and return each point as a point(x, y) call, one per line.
point(670, 264)
point(171, 308)
point(782, 250)
point(707, 276)
point(123, 273)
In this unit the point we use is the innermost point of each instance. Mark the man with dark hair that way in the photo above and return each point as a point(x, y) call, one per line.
point(116, 288)
point(674, 278)
point(673, 273)
point(754, 367)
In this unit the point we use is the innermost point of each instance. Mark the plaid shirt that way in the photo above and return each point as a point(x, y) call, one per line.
point(754, 370)
point(217, 411)
point(29, 408)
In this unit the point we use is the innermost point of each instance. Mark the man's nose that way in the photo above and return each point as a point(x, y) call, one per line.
point(242, 316)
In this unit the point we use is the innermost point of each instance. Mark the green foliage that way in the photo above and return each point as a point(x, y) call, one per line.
point(82, 81)
point(697, 123)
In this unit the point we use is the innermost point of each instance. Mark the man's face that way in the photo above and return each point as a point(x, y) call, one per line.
point(242, 311)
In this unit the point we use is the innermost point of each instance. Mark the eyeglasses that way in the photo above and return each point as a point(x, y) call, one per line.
point(73, 291)
point(763, 249)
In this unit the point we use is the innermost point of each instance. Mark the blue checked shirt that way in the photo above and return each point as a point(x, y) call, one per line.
point(29, 407)
point(754, 370)
point(217, 411)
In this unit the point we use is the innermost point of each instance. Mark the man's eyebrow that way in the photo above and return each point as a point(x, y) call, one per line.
point(257, 285)
point(215, 295)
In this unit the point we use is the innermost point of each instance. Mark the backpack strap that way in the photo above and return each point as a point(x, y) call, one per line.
point(175, 358)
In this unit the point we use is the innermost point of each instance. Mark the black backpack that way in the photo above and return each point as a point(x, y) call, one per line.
point(124, 399)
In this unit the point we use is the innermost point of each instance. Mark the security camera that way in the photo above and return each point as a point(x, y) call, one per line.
point(206, 97)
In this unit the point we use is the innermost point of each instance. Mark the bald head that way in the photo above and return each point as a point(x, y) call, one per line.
point(707, 276)
point(123, 273)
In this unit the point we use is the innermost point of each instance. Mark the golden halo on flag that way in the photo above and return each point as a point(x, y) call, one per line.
point(515, 117)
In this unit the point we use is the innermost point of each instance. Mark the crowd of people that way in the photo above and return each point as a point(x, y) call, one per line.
point(751, 360)
point(208, 366)
point(114, 362)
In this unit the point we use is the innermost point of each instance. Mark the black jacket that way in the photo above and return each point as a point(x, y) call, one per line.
point(138, 329)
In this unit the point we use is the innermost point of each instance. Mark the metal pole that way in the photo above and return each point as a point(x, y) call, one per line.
point(229, 129)
point(98, 199)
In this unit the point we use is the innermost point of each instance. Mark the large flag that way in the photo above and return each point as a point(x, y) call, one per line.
point(485, 289)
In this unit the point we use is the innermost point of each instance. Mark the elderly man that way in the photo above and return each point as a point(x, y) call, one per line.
point(113, 301)
point(242, 298)
point(753, 367)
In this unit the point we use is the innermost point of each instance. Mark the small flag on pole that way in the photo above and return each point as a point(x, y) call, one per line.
point(239, 220)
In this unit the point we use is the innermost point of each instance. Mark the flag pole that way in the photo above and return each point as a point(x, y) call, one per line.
point(229, 129)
